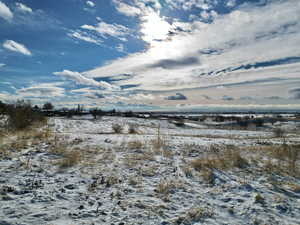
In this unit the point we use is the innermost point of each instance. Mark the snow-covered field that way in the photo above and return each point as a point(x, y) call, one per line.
point(147, 177)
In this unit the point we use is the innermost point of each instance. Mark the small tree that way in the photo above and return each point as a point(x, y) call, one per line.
point(48, 106)
point(21, 115)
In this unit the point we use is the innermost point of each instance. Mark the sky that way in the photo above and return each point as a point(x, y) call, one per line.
point(151, 54)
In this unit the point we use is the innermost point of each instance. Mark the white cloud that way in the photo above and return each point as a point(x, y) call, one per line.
point(231, 3)
point(85, 37)
point(120, 48)
point(154, 28)
point(89, 93)
point(126, 9)
point(114, 30)
point(5, 12)
point(16, 47)
point(23, 8)
point(41, 92)
point(90, 3)
point(188, 5)
point(218, 51)
point(81, 79)
point(2, 64)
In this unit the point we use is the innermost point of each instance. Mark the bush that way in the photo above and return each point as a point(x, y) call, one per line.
point(132, 129)
point(279, 133)
point(21, 116)
point(117, 128)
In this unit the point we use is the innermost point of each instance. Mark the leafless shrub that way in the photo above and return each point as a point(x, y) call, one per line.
point(21, 116)
point(279, 132)
point(132, 129)
point(117, 128)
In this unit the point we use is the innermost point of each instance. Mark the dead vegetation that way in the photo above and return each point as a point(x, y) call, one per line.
point(117, 128)
point(70, 158)
point(132, 129)
point(217, 158)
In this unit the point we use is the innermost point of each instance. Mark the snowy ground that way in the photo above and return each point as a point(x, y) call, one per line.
point(142, 178)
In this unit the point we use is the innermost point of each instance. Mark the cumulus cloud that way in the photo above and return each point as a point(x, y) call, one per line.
point(177, 96)
point(228, 38)
point(90, 4)
point(114, 30)
point(81, 79)
point(16, 47)
point(85, 37)
point(23, 8)
point(5, 12)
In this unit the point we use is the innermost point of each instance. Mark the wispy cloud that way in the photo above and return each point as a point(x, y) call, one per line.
point(81, 79)
point(5, 12)
point(41, 91)
point(23, 8)
point(114, 30)
point(85, 37)
point(16, 47)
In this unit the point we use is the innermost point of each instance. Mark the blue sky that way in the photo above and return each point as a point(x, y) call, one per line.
point(151, 54)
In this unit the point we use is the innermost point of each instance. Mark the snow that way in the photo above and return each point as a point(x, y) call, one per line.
point(118, 184)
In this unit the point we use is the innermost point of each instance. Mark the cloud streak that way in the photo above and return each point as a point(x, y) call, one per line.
point(106, 29)
point(23, 8)
point(5, 12)
point(81, 79)
point(16, 47)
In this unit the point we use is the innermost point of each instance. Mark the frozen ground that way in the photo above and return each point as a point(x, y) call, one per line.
point(141, 178)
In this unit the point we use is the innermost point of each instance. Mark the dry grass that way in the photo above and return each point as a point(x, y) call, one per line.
point(282, 159)
point(194, 215)
point(197, 214)
point(148, 170)
point(295, 187)
point(228, 159)
point(187, 170)
point(136, 144)
point(208, 176)
point(165, 187)
point(70, 158)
